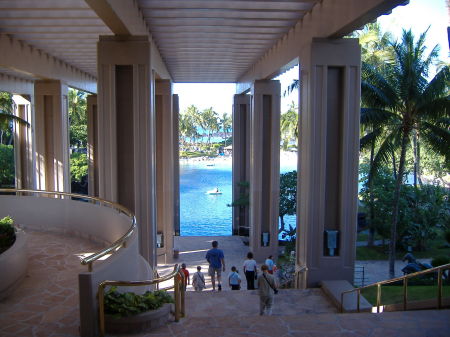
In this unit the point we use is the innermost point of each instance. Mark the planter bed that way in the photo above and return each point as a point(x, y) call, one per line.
point(143, 322)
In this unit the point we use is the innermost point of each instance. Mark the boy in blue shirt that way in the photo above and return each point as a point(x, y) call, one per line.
point(216, 261)
point(234, 279)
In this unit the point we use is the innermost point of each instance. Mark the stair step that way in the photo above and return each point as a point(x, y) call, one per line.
point(246, 303)
point(334, 288)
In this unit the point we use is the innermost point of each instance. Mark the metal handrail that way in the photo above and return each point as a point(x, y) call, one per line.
point(89, 260)
point(179, 293)
point(403, 278)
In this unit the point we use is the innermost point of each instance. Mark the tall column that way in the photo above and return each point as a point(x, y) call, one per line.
point(126, 137)
point(92, 144)
point(52, 136)
point(176, 163)
point(164, 166)
point(264, 168)
point(241, 162)
point(24, 144)
point(328, 168)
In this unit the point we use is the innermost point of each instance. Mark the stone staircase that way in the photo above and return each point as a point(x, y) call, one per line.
point(246, 303)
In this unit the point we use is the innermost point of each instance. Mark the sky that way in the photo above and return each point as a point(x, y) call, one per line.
point(418, 15)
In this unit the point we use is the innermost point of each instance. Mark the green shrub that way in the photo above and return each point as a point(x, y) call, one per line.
point(129, 304)
point(440, 260)
point(7, 233)
point(6, 165)
point(447, 236)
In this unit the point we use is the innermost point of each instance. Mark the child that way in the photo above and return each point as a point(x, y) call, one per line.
point(234, 279)
point(198, 280)
point(186, 275)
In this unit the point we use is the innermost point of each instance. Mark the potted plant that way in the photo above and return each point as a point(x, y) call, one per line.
point(13, 256)
point(132, 313)
point(7, 233)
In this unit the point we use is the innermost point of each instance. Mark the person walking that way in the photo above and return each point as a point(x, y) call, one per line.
point(198, 280)
point(185, 272)
point(270, 264)
point(267, 287)
point(250, 271)
point(234, 279)
point(216, 261)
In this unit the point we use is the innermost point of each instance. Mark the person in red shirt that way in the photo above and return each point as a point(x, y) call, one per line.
point(187, 280)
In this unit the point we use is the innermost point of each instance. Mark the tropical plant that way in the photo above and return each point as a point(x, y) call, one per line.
point(209, 122)
point(6, 165)
point(289, 128)
point(288, 196)
point(226, 122)
point(401, 97)
point(7, 233)
point(129, 304)
point(77, 118)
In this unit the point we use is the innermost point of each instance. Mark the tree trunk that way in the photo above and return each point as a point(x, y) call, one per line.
point(370, 240)
point(282, 227)
point(395, 202)
point(394, 165)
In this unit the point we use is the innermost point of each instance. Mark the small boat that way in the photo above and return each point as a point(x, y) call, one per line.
point(210, 164)
point(215, 191)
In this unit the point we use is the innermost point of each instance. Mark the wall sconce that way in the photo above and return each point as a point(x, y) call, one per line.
point(265, 239)
point(159, 240)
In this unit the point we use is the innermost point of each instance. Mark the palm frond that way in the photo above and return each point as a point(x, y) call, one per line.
point(437, 138)
point(384, 152)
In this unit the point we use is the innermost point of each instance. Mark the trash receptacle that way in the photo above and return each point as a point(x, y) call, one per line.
point(176, 253)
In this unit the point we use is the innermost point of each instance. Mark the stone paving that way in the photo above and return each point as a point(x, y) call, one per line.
point(45, 303)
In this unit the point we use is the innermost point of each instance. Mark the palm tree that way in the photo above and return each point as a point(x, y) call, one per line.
point(209, 122)
point(289, 126)
point(401, 97)
point(226, 122)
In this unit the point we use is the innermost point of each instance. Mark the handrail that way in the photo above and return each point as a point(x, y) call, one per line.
point(178, 287)
point(405, 278)
point(89, 260)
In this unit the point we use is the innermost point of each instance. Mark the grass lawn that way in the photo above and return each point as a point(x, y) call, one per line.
point(394, 294)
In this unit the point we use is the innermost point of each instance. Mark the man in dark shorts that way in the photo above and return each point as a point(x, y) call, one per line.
point(216, 262)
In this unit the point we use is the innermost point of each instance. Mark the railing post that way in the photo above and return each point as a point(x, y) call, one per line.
point(440, 288)
point(378, 297)
point(405, 293)
point(101, 310)
point(342, 302)
point(358, 296)
point(177, 297)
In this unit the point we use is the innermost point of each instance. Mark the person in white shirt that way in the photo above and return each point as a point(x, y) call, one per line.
point(269, 263)
point(234, 279)
point(250, 271)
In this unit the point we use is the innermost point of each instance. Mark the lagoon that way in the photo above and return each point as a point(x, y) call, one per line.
point(202, 214)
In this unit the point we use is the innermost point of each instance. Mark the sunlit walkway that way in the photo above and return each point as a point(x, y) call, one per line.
point(46, 302)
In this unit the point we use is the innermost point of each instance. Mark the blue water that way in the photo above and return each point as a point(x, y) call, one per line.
point(202, 214)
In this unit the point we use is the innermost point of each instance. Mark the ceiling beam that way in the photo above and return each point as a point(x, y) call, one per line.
point(23, 58)
point(342, 17)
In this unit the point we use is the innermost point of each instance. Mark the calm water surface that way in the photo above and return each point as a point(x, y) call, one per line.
point(202, 214)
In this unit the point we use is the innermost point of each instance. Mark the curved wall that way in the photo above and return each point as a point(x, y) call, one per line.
point(94, 222)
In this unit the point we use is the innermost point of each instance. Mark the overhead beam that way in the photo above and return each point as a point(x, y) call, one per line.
point(341, 17)
point(124, 17)
point(23, 58)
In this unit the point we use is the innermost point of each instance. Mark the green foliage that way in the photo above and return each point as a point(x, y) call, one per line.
point(7, 233)
point(288, 195)
point(447, 236)
point(244, 197)
point(290, 236)
point(78, 166)
point(77, 118)
point(289, 128)
point(440, 260)
point(129, 304)
point(7, 170)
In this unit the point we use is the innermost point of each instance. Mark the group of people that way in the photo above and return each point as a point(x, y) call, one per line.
point(266, 281)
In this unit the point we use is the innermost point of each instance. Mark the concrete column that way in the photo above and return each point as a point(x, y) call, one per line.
point(126, 137)
point(264, 168)
point(328, 168)
point(165, 172)
point(92, 143)
point(24, 144)
point(241, 161)
point(52, 136)
point(176, 163)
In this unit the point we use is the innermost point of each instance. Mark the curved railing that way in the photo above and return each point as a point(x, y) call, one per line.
point(179, 293)
point(439, 270)
point(121, 242)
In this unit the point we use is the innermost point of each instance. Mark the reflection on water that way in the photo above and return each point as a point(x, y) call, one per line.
point(203, 214)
